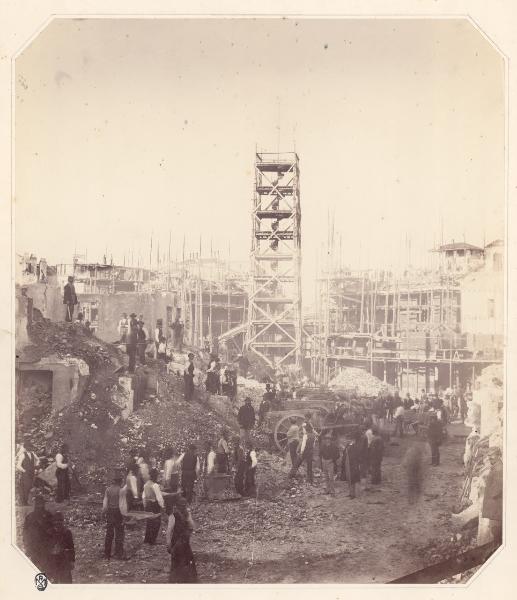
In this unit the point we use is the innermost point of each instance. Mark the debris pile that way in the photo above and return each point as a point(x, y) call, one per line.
point(66, 339)
point(360, 382)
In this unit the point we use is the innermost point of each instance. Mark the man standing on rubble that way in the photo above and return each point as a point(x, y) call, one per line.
point(265, 405)
point(26, 464)
point(188, 377)
point(132, 341)
point(329, 454)
point(141, 340)
point(114, 507)
point(293, 439)
point(70, 299)
point(375, 456)
point(62, 551)
point(63, 474)
point(306, 450)
point(37, 530)
point(190, 471)
point(246, 419)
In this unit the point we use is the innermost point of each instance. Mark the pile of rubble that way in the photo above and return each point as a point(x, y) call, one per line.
point(360, 382)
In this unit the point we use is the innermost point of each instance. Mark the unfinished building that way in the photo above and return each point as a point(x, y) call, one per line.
point(407, 330)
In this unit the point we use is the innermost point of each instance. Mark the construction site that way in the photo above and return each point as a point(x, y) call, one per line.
point(372, 334)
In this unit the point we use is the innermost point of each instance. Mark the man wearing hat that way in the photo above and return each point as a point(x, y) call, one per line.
point(329, 454)
point(61, 551)
point(179, 529)
point(37, 531)
point(26, 464)
point(246, 419)
point(114, 507)
point(70, 299)
point(188, 377)
point(435, 438)
point(132, 340)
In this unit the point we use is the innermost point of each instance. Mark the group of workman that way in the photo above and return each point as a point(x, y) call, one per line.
point(134, 489)
point(138, 343)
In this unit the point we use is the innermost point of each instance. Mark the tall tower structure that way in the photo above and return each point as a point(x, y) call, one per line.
point(274, 316)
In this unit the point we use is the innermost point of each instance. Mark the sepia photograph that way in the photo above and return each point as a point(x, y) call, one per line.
point(259, 295)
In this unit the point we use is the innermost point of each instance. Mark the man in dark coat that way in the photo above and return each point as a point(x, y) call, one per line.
point(190, 471)
point(37, 531)
point(434, 437)
point(132, 342)
point(351, 463)
point(375, 455)
point(246, 419)
point(188, 378)
point(26, 465)
point(61, 551)
point(265, 405)
point(69, 299)
point(179, 529)
point(239, 462)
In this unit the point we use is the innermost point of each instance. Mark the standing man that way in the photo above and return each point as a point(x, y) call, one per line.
point(141, 340)
point(351, 462)
point(190, 471)
point(132, 341)
point(306, 451)
point(250, 460)
point(62, 551)
point(188, 377)
point(177, 333)
point(114, 507)
point(123, 328)
point(265, 405)
point(208, 468)
point(26, 464)
point(158, 334)
point(240, 466)
point(63, 467)
point(179, 529)
point(329, 455)
point(413, 465)
point(293, 440)
point(399, 420)
point(434, 437)
point(463, 407)
point(222, 454)
point(37, 531)
point(375, 456)
point(70, 299)
point(153, 502)
point(246, 419)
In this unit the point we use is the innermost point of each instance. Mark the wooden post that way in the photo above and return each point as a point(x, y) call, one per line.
point(362, 305)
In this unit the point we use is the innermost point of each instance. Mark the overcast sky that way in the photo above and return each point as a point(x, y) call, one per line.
point(127, 127)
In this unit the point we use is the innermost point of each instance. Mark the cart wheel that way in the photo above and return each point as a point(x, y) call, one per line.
point(280, 433)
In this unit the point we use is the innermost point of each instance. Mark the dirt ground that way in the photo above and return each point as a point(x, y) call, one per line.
point(293, 532)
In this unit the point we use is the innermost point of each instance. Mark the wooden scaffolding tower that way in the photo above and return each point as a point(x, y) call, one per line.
point(274, 331)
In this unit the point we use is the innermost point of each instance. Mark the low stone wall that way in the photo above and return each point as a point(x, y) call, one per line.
point(69, 378)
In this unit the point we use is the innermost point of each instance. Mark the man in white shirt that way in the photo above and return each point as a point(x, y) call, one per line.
point(153, 502)
point(123, 328)
point(27, 463)
point(208, 468)
point(399, 420)
point(63, 467)
point(250, 459)
point(114, 507)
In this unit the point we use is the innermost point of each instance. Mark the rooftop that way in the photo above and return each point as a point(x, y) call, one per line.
point(459, 246)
